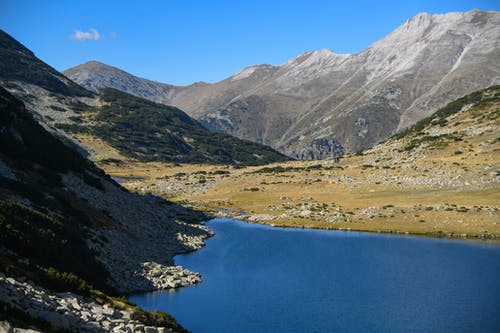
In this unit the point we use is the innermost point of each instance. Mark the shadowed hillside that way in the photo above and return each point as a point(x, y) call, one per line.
point(67, 226)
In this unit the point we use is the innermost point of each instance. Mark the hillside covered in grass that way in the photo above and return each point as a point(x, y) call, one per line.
point(149, 131)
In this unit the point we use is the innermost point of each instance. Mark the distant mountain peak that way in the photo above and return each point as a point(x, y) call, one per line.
point(353, 100)
point(94, 66)
point(95, 75)
point(248, 71)
point(95, 63)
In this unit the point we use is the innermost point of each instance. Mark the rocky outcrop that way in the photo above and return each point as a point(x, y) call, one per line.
point(168, 277)
point(65, 311)
point(6, 327)
point(318, 149)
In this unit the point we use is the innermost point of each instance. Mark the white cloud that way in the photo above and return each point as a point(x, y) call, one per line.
point(80, 36)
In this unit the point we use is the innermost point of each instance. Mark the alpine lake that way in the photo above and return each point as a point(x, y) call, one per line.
point(258, 278)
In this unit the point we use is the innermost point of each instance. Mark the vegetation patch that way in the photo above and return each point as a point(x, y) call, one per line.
point(477, 99)
point(432, 141)
point(148, 131)
point(50, 242)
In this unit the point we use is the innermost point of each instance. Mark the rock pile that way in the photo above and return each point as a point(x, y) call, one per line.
point(168, 277)
point(66, 311)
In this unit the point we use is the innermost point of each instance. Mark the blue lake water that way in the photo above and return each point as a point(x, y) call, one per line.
point(262, 279)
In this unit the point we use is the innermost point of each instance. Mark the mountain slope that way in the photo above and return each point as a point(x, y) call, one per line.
point(16, 59)
point(148, 131)
point(41, 173)
point(321, 104)
point(67, 226)
point(440, 178)
point(138, 128)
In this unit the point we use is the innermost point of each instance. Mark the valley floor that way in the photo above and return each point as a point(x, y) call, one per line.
point(434, 197)
point(441, 178)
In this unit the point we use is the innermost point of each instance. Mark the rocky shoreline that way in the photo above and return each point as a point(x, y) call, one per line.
point(65, 311)
point(267, 219)
point(139, 253)
point(136, 247)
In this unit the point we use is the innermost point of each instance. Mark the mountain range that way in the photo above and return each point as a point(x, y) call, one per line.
point(322, 104)
point(136, 127)
point(67, 226)
point(72, 239)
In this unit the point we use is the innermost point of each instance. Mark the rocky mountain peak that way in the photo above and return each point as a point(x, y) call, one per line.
point(358, 99)
point(251, 70)
point(421, 20)
point(314, 58)
point(94, 75)
point(94, 66)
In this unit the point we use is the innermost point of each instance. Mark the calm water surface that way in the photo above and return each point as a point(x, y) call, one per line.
point(263, 279)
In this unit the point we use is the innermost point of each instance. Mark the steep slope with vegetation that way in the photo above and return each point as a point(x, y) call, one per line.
point(148, 131)
point(67, 226)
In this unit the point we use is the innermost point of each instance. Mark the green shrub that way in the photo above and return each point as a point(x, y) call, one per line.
point(64, 281)
point(221, 172)
point(50, 242)
point(252, 189)
point(180, 174)
point(158, 318)
point(477, 99)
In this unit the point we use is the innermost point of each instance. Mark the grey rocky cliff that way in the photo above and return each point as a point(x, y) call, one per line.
point(360, 99)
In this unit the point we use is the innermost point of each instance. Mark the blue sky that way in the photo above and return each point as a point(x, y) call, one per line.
point(181, 42)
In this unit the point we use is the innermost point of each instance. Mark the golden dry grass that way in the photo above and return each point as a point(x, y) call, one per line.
point(448, 190)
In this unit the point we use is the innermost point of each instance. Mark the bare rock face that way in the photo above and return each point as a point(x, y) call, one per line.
point(358, 99)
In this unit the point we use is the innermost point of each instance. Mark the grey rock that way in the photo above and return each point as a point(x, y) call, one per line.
point(5, 327)
point(139, 328)
point(109, 312)
point(94, 75)
point(98, 319)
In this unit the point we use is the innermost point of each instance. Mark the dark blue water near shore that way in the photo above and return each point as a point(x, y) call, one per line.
point(263, 279)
